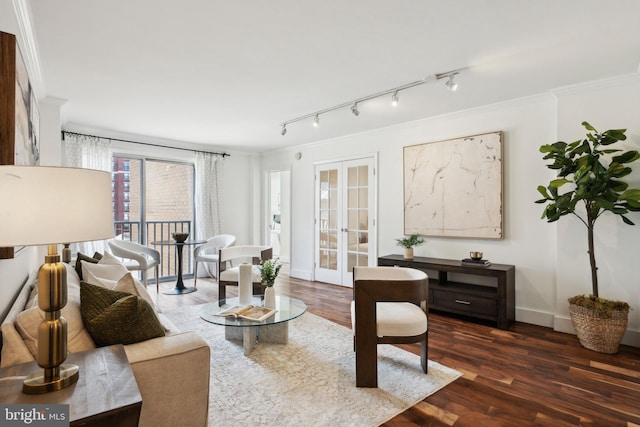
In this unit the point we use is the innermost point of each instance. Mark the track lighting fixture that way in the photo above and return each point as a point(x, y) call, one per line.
point(450, 84)
point(432, 78)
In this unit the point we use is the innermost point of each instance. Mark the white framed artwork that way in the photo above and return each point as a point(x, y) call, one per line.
point(453, 188)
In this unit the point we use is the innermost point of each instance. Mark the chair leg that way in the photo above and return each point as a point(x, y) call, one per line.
point(144, 278)
point(157, 279)
point(195, 274)
point(366, 361)
point(424, 352)
point(222, 293)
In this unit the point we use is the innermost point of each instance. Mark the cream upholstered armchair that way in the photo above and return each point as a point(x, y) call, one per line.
point(228, 273)
point(389, 307)
point(210, 252)
point(140, 258)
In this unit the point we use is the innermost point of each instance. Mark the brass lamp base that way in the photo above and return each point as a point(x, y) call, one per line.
point(37, 384)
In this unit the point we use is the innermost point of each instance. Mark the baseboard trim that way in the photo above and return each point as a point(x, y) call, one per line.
point(534, 317)
point(301, 274)
point(563, 324)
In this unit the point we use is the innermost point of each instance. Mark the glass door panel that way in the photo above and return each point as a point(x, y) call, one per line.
point(344, 219)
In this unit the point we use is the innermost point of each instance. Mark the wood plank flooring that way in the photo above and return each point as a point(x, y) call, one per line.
point(527, 376)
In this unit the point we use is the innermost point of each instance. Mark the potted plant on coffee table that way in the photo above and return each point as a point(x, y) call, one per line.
point(408, 243)
point(592, 171)
point(269, 270)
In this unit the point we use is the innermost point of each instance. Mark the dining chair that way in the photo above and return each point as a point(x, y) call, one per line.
point(140, 258)
point(210, 252)
point(389, 307)
point(229, 270)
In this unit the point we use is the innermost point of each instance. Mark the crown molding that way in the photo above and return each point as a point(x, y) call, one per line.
point(29, 47)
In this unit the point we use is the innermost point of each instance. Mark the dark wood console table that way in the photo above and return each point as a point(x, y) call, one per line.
point(493, 301)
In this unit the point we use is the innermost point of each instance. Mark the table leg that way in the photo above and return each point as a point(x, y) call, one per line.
point(180, 288)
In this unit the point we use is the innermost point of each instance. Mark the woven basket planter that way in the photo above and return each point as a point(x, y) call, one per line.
point(596, 331)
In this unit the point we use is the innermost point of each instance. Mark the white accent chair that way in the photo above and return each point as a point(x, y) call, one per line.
point(140, 258)
point(228, 273)
point(209, 252)
point(389, 307)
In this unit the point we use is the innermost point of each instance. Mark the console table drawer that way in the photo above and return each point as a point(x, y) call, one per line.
point(464, 303)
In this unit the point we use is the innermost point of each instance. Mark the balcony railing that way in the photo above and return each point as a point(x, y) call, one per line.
point(160, 231)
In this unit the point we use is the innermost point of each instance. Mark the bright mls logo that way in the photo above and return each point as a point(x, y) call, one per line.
point(34, 415)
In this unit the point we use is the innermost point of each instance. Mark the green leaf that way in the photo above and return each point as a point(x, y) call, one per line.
point(556, 183)
point(631, 195)
point(627, 157)
point(588, 126)
point(626, 220)
point(543, 190)
point(617, 134)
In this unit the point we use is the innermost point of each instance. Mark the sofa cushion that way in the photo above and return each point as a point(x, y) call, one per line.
point(78, 339)
point(113, 317)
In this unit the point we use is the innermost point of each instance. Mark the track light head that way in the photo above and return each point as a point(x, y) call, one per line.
point(354, 109)
point(394, 99)
point(450, 84)
point(316, 121)
point(283, 132)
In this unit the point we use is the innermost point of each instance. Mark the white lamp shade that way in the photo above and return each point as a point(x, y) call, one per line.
point(49, 205)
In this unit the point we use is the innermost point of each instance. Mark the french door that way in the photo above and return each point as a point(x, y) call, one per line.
point(345, 226)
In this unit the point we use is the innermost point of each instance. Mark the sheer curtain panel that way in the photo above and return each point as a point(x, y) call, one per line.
point(207, 196)
point(88, 152)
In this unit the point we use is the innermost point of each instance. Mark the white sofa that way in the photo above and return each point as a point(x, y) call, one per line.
point(172, 371)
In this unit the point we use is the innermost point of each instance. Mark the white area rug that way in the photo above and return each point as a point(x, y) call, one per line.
point(310, 380)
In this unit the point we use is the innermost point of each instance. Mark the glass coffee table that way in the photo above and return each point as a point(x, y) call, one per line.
point(274, 329)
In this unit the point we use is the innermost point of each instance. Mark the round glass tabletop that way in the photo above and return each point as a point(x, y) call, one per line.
point(287, 309)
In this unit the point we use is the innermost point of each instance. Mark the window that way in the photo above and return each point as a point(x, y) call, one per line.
point(153, 199)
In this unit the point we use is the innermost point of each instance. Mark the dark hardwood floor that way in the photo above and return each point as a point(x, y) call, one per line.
point(527, 376)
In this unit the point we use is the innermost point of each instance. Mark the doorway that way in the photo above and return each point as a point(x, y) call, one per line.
point(345, 224)
point(278, 219)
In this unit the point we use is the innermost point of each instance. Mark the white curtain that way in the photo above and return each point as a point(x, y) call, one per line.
point(207, 197)
point(88, 152)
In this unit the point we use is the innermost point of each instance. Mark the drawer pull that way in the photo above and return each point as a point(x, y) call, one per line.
point(463, 302)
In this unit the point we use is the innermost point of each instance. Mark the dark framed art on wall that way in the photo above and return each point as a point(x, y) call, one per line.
point(19, 116)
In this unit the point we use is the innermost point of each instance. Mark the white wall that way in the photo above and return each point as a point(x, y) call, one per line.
point(549, 268)
point(528, 241)
point(611, 104)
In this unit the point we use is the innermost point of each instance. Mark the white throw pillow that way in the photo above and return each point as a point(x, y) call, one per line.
point(102, 271)
point(78, 339)
point(110, 259)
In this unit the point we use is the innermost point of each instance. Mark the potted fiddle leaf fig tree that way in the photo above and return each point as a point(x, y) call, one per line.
point(591, 172)
point(408, 242)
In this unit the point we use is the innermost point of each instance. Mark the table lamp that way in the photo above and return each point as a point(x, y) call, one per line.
point(48, 206)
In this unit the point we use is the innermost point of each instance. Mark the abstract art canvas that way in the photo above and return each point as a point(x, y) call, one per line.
point(453, 188)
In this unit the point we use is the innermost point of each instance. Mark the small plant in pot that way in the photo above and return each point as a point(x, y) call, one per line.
point(409, 242)
point(592, 170)
point(269, 270)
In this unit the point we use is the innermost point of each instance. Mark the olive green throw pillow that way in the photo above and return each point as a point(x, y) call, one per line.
point(113, 317)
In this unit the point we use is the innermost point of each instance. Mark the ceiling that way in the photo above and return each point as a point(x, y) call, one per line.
point(228, 73)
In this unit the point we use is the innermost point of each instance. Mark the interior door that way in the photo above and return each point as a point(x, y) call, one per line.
point(345, 219)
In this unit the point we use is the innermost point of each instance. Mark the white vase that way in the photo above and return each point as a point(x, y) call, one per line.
point(270, 297)
point(408, 253)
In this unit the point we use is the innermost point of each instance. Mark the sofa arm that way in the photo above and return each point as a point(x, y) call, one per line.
point(172, 373)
